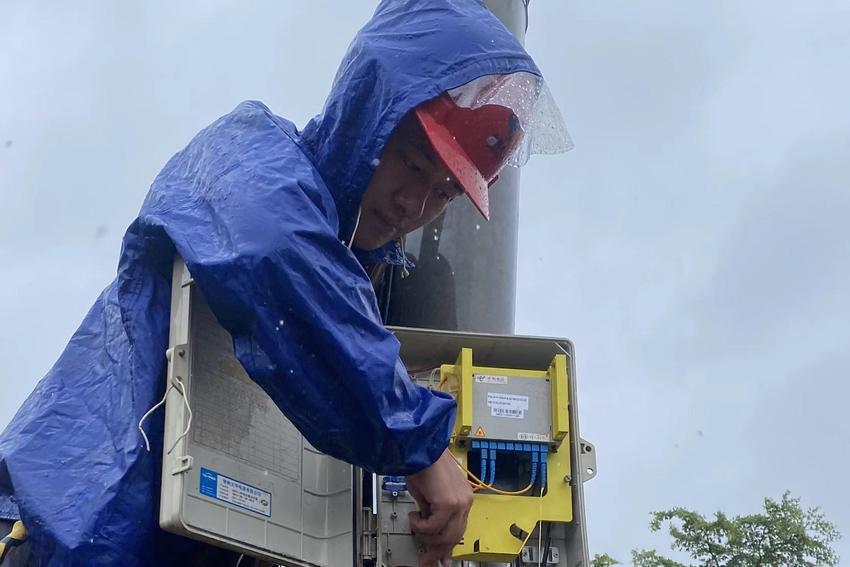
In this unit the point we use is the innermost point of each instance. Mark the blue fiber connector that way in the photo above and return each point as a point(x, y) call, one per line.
point(493, 463)
point(534, 459)
point(544, 459)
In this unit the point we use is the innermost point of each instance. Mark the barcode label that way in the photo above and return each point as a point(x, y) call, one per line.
point(532, 437)
point(507, 412)
point(507, 405)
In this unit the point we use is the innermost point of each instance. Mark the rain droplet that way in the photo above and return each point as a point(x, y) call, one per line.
point(280, 322)
point(291, 371)
point(376, 162)
point(477, 227)
point(436, 237)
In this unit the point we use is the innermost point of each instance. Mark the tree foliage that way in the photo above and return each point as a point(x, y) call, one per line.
point(603, 560)
point(784, 535)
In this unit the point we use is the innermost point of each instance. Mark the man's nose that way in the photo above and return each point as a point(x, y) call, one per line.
point(412, 200)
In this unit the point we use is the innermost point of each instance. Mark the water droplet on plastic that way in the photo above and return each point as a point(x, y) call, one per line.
point(376, 162)
point(436, 237)
point(280, 322)
point(291, 371)
point(477, 227)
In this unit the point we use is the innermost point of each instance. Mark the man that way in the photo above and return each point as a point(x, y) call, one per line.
point(276, 226)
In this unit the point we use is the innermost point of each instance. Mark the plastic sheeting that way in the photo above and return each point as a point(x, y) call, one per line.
point(258, 211)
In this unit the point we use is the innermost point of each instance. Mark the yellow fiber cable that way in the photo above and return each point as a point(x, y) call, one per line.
point(481, 484)
point(443, 379)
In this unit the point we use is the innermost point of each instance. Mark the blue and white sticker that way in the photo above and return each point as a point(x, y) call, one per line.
point(237, 493)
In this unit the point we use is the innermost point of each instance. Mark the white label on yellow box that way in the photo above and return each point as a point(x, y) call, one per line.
point(507, 405)
point(532, 437)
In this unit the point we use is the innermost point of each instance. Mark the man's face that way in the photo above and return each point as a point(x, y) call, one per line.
point(409, 189)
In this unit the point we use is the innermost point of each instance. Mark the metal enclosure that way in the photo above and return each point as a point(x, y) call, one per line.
point(422, 348)
point(233, 449)
point(236, 473)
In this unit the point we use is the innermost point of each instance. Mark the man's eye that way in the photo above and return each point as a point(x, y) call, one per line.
point(410, 165)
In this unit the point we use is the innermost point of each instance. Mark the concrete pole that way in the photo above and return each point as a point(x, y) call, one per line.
point(466, 267)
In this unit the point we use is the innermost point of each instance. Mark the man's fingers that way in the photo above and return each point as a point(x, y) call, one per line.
point(424, 507)
point(436, 556)
point(444, 497)
point(432, 524)
point(447, 531)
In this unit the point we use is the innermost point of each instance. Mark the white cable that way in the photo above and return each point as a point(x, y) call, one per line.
point(176, 384)
point(539, 545)
point(182, 390)
point(540, 530)
point(433, 377)
point(404, 271)
point(147, 413)
point(356, 226)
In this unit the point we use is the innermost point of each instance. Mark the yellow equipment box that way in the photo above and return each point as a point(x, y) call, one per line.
point(508, 436)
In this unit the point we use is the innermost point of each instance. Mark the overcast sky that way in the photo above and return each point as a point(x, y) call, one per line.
point(694, 245)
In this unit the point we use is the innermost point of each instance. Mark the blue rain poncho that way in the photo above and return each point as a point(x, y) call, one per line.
point(258, 210)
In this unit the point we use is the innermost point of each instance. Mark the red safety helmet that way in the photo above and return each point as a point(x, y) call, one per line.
point(473, 143)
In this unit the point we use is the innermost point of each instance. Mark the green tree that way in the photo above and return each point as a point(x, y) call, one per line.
point(784, 535)
point(603, 560)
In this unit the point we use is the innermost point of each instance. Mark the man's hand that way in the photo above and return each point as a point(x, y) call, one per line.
point(444, 497)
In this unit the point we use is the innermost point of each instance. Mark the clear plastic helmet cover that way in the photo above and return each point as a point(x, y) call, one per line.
point(526, 94)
